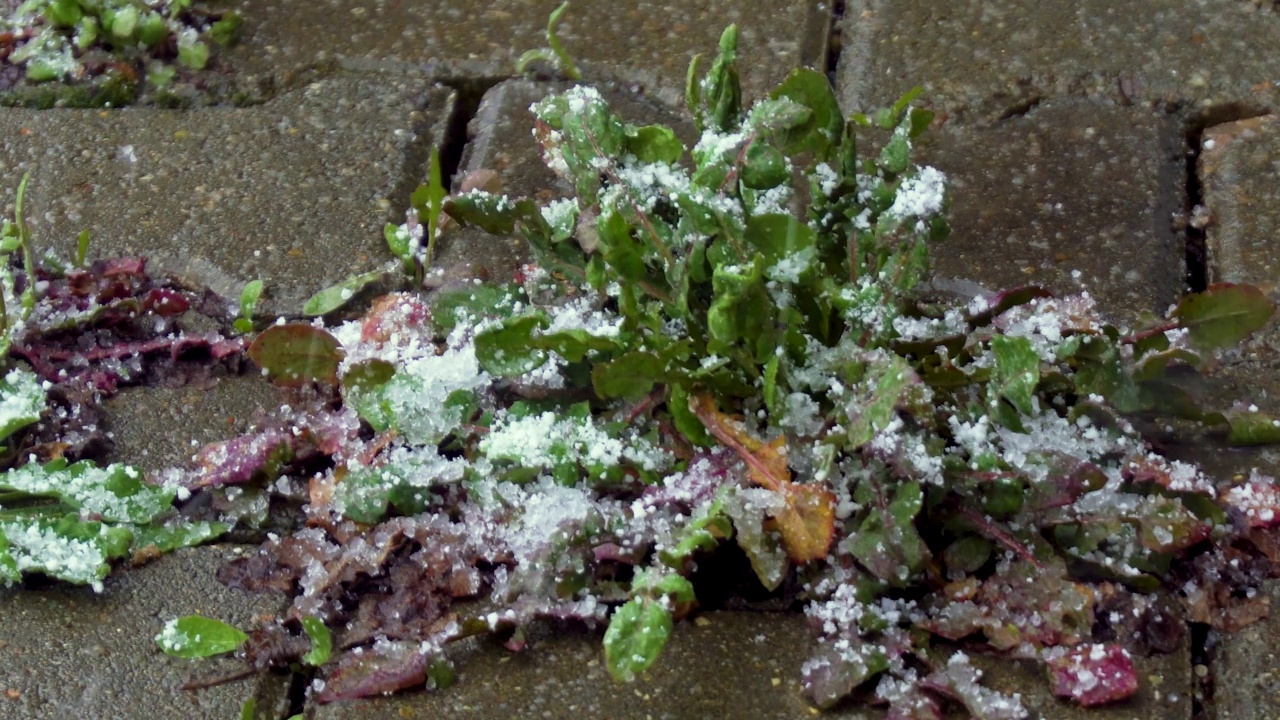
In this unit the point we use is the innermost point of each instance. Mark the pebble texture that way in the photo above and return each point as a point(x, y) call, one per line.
point(70, 654)
point(295, 191)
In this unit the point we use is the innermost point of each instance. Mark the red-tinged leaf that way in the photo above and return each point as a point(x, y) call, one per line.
point(243, 459)
point(395, 317)
point(1093, 675)
point(807, 524)
point(296, 354)
point(982, 311)
point(1223, 315)
point(1257, 501)
point(165, 302)
point(383, 670)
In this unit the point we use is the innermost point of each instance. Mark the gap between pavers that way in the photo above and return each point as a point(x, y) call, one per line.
point(71, 654)
point(294, 191)
point(979, 60)
point(649, 42)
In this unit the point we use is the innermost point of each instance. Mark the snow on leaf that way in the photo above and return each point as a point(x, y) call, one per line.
point(807, 522)
point(637, 633)
point(196, 636)
point(247, 458)
point(21, 401)
point(1092, 674)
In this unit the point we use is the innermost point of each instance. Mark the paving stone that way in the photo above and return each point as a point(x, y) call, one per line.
point(983, 59)
point(1071, 186)
point(161, 427)
point(1246, 669)
point(723, 665)
point(72, 654)
point(500, 138)
point(649, 42)
point(295, 191)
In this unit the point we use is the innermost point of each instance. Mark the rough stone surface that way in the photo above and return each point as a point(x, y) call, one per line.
point(724, 664)
point(500, 139)
point(649, 42)
point(1071, 186)
point(157, 428)
point(1246, 669)
point(72, 654)
point(989, 58)
point(295, 191)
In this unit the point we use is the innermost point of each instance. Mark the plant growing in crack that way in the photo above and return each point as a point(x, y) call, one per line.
point(739, 345)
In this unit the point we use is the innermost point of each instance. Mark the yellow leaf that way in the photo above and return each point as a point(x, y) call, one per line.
point(807, 523)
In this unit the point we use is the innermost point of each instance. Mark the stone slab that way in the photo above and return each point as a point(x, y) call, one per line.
point(71, 654)
point(295, 191)
point(1246, 669)
point(723, 665)
point(983, 59)
point(1072, 186)
point(501, 139)
point(160, 427)
point(648, 41)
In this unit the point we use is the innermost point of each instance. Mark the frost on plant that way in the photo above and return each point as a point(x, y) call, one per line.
point(737, 344)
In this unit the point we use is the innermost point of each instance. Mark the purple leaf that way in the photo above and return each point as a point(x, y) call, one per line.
point(256, 456)
point(1093, 674)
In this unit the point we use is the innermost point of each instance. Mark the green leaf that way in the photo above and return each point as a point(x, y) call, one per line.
point(63, 13)
point(21, 401)
point(637, 633)
point(495, 214)
point(721, 88)
point(196, 636)
point(398, 241)
point(64, 548)
point(685, 420)
point(115, 493)
point(1223, 315)
point(506, 349)
point(1017, 371)
point(335, 296)
point(634, 374)
point(296, 354)
point(967, 555)
point(822, 133)
point(764, 166)
point(170, 538)
point(82, 248)
point(874, 398)
point(321, 641)
point(193, 55)
point(1246, 428)
point(249, 299)
point(654, 143)
point(362, 387)
point(124, 22)
point(249, 709)
point(226, 30)
point(152, 29)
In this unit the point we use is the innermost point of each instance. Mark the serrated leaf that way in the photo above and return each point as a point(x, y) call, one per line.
point(637, 633)
point(1223, 315)
point(296, 354)
point(321, 641)
point(196, 636)
point(335, 296)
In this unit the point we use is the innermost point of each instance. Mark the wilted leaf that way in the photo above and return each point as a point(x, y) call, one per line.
point(808, 522)
point(296, 354)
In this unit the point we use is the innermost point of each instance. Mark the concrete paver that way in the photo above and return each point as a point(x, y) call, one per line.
point(982, 59)
point(649, 42)
point(295, 191)
point(1075, 195)
point(70, 654)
